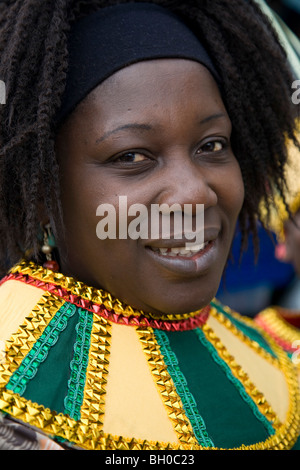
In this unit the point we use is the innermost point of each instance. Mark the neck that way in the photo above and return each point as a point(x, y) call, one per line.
point(101, 302)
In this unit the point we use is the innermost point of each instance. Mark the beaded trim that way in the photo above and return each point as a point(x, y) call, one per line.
point(180, 383)
point(100, 302)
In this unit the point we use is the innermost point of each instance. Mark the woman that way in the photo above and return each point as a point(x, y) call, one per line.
point(152, 105)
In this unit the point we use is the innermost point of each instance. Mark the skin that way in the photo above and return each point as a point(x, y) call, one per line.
point(156, 132)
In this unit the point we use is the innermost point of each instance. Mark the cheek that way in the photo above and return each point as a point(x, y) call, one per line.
point(231, 190)
point(80, 197)
point(91, 207)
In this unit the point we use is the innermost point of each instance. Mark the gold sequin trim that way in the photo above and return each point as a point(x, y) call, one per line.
point(241, 375)
point(20, 343)
point(87, 437)
point(166, 387)
point(286, 433)
point(92, 409)
point(224, 320)
point(90, 436)
point(97, 296)
point(87, 432)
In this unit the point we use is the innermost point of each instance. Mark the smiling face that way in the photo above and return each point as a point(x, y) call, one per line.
point(156, 132)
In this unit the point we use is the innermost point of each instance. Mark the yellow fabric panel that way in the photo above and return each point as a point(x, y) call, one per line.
point(17, 299)
point(132, 393)
point(268, 379)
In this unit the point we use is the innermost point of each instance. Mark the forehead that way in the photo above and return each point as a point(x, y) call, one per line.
point(153, 85)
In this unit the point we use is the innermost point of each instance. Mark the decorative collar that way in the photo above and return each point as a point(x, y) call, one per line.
point(101, 302)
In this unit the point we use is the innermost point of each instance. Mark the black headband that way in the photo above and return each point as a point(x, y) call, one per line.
point(114, 37)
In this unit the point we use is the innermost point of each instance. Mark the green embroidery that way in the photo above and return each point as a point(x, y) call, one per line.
point(39, 351)
point(180, 382)
point(79, 363)
point(239, 386)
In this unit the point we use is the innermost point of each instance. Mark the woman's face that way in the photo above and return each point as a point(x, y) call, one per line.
point(156, 132)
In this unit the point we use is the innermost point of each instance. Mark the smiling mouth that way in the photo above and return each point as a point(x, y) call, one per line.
point(184, 261)
point(181, 251)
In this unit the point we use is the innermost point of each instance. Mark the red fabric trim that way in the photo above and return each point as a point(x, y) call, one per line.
point(111, 315)
point(281, 342)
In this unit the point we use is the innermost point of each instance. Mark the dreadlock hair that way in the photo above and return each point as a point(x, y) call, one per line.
point(256, 89)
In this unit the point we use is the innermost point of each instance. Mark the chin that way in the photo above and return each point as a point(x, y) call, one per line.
point(182, 302)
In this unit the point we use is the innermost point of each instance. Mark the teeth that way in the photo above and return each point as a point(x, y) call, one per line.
point(182, 251)
point(196, 248)
point(171, 253)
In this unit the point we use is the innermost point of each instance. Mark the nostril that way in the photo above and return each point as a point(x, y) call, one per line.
point(192, 192)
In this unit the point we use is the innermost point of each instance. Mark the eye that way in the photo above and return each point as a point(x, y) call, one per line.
point(130, 157)
point(212, 146)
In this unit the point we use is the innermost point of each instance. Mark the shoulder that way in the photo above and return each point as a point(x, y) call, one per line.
point(266, 370)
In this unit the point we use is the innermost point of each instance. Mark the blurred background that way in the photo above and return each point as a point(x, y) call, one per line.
point(289, 11)
point(248, 286)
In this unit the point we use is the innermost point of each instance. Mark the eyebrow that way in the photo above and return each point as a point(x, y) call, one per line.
point(213, 117)
point(147, 127)
point(134, 125)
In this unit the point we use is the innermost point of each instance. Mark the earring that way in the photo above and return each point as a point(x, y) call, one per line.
point(47, 249)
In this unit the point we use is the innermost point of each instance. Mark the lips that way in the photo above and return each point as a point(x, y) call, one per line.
point(180, 250)
point(181, 244)
point(182, 259)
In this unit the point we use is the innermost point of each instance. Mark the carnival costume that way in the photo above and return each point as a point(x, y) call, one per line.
point(90, 372)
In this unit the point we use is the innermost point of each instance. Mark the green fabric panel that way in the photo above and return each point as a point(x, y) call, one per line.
point(252, 333)
point(50, 384)
point(229, 420)
point(188, 401)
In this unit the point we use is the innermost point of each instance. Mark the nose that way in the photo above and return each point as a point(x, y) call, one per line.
point(186, 182)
